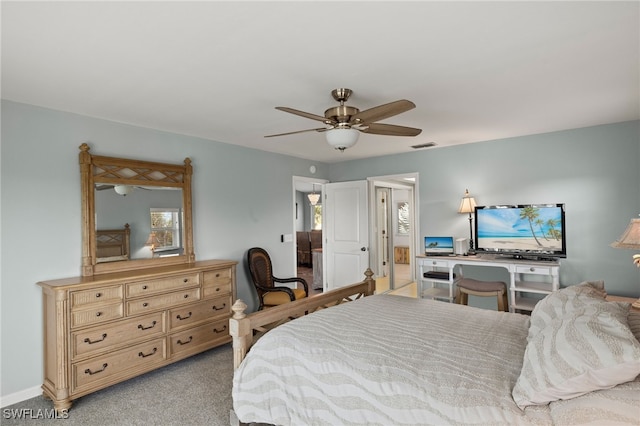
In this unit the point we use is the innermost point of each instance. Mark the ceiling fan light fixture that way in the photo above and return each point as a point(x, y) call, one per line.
point(342, 138)
point(123, 189)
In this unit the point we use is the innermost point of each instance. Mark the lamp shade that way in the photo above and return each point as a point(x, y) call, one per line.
point(468, 203)
point(630, 239)
point(123, 189)
point(152, 240)
point(342, 138)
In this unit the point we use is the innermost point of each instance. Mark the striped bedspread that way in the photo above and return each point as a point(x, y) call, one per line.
point(387, 360)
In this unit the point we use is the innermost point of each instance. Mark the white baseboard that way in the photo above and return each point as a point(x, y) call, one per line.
point(23, 395)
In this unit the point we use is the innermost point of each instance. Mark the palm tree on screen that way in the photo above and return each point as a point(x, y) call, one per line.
point(531, 214)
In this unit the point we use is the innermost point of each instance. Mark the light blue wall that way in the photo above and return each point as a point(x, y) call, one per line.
point(243, 198)
point(594, 171)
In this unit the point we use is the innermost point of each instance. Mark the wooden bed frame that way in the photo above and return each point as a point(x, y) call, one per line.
point(112, 245)
point(242, 325)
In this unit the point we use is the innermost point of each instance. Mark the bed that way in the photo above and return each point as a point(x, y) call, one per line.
point(385, 359)
point(112, 245)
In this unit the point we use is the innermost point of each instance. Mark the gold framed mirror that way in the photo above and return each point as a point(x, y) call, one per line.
point(107, 249)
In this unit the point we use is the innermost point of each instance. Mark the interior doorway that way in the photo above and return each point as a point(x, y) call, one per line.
point(394, 201)
point(308, 231)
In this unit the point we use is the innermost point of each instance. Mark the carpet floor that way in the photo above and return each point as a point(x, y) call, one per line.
point(194, 391)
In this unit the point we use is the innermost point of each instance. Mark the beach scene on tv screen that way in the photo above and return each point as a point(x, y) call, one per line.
point(438, 244)
point(527, 228)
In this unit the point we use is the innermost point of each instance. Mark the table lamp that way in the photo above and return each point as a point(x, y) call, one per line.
point(630, 239)
point(152, 242)
point(468, 205)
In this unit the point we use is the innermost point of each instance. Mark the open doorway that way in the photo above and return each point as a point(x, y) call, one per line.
point(308, 232)
point(394, 201)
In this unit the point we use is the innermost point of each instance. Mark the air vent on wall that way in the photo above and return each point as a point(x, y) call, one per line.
point(424, 145)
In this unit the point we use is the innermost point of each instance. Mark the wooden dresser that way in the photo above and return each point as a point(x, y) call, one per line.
point(100, 330)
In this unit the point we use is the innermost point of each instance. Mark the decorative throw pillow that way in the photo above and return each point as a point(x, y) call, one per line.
point(564, 301)
point(588, 349)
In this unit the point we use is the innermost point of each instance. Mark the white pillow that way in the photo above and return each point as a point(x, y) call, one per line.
point(564, 301)
point(587, 349)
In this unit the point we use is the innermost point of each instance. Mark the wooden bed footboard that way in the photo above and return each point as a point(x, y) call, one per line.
point(242, 325)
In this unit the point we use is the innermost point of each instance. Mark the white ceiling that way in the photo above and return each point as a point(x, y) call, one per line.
point(475, 70)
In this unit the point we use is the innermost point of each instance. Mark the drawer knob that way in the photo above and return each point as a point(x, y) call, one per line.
point(145, 304)
point(532, 269)
point(180, 342)
point(186, 296)
point(180, 317)
point(215, 330)
point(217, 275)
point(186, 280)
point(142, 327)
point(98, 314)
point(98, 294)
point(218, 289)
point(140, 354)
point(91, 342)
point(215, 308)
point(144, 287)
point(435, 263)
point(91, 373)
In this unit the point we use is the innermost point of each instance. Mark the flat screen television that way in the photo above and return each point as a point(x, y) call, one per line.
point(521, 231)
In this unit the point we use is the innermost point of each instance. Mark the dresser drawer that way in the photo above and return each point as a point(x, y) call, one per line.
point(144, 356)
point(190, 340)
point(98, 314)
point(217, 282)
point(160, 285)
point(436, 263)
point(79, 299)
point(162, 301)
point(530, 269)
point(109, 336)
point(203, 311)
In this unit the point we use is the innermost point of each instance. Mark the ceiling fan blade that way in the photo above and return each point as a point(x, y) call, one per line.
point(103, 187)
point(382, 111)
point(390, 130)
point(321, 129)
point(304, 114)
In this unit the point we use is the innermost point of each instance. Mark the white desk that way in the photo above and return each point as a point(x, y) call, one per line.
point(546, 274)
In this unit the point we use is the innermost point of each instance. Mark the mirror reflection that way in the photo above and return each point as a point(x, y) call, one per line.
point(138, 222)
point(403, 218)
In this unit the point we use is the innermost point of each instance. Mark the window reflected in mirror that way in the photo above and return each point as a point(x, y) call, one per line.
point(166, 229)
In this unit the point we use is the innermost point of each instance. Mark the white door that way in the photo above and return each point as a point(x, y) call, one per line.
point(346, 232)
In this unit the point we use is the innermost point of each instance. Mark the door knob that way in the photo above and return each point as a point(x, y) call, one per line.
point(363, 249)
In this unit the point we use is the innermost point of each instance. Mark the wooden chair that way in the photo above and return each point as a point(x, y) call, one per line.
point(303, 246)
point(467, 286)
point(262, 276)
point(316, 244)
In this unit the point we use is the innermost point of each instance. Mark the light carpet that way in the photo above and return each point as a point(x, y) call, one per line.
point(194, 391)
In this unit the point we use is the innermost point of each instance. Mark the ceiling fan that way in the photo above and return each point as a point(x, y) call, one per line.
point(123, 190)
point(343, 123)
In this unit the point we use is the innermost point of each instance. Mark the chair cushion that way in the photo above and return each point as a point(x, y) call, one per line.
point(481, 286)
point(280, 297)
